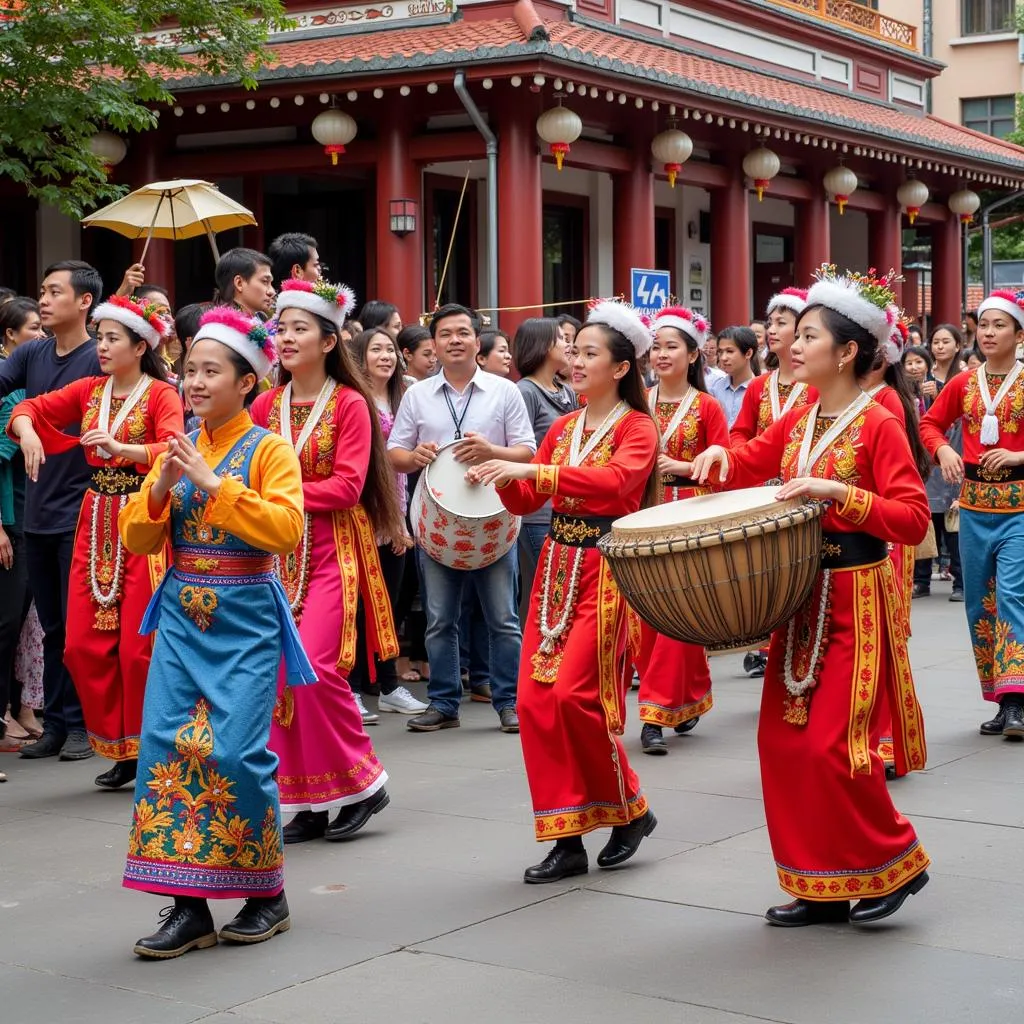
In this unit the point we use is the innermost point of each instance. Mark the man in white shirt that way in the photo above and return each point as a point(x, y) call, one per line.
point(488, 412)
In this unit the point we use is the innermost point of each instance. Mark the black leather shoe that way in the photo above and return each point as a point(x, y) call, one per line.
point(920, 590)
point(558, 864)
point(625, 841)
point(994, 726)
point(120, 775)
point(431, 720)
point(651, 740)
point(688, 726)
point(306, 826)
point(260, 919)
point(1013, 722)
point(48, 745)
point(870, 910)
point(801, 913)
point(187, 925)
point(509, 720)
point(755, 663)
point(352, 818)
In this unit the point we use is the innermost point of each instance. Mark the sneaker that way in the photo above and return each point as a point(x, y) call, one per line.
point(76, 746)
point(957, 596)
point(369, 717)
point(401, 702)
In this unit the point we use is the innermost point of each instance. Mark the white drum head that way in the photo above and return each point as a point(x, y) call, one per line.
point(446, 480)
point(711, 509)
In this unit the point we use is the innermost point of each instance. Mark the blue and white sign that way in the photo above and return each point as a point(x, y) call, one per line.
point(650, 289)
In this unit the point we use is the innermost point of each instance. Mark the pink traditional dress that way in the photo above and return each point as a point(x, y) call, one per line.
point(327, 759)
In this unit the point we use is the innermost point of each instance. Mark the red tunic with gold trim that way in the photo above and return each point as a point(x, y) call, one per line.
point(834, 830)
point(756, 414)
point(675, 679)
point(109, 587)
point(572, 692)
point(327, 759)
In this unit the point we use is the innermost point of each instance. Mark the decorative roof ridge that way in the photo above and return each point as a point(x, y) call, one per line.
point(1006, 143)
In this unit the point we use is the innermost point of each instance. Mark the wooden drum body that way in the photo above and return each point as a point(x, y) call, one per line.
point(719, 570)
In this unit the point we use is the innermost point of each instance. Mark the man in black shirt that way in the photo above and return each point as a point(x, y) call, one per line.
point(52, 504)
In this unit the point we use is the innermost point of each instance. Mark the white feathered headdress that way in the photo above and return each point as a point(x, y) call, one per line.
point(625, 319)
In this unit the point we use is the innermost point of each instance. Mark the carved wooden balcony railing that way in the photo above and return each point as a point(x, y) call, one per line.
point(860, 18)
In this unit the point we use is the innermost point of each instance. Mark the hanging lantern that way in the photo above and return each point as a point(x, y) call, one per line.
point(912, 195)
point(559, 127)
point(672, 148)
point(841, 183)
point(965, 204)
point(334, 130)
point(108, 148)
point(761, 165)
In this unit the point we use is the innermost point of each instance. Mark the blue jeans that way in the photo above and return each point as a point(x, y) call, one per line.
point(531, 540)
point(495, 590)
point(474, 641)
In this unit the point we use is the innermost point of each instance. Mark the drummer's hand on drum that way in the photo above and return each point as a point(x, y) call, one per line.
point(500, 472)
point(474, 449)
point(424, 454)
point(951, 463)
point(813, 487)
point(702, 466)
point(673, 467)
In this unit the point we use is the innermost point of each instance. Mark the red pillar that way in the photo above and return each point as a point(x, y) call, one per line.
point(730, 251)
point(160, 254)
point(520, 216)
point(947, 283)
point(633, 223)
point(812, 245)
point(885, 242)
point(399, 260)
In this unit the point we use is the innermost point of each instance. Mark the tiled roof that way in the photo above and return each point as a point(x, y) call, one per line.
point(609, 49)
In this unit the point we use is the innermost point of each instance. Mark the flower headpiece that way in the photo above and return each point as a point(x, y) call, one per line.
point(794, 299)
point(866, 299)
point(334, 302)
point(1008, 302)
point(626, 319)
point(686, 320)
point(138, 315)
point(247, 336)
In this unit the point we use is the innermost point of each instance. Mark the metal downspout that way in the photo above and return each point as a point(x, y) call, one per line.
point(491, 142)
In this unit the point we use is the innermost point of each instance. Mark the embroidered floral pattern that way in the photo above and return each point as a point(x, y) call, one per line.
point(577, 821)
point(867, 646)
point(132, 431)
point(657, 714)
point(992, 497)
point(199, 604)
point(317, 455)
point(873, 882)
point(841, 461)
point(1010, 411)
point(764, 407)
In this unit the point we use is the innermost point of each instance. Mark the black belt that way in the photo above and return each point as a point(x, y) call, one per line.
point(579, 531)
point(848, 550)
point(972, 471)
point(677, 481)
point(116, 480)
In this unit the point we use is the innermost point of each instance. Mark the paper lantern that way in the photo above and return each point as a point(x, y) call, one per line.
point(761, 165)
point(559, 127)
point(840, 183)
point(912, 195)
point(334, 130)
point(108, 148)
point(672, 148)
point(965, 204)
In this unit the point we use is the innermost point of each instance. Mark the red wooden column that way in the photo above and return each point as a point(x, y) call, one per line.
point(885, 242)
point(633, 222)
point(947, 283)
point(812, 243)
point(399, 261)
point(520, 215)
point(730, 251)
point(160, 255)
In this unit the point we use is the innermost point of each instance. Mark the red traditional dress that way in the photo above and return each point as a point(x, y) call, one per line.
point(109, 587)
point(764, 401)
point(327, 759)
point(675, 679)
point(834, 830)
point(572, 679)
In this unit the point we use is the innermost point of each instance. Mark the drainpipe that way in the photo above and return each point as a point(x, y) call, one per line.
point(926, 49)
point(492, 184)
point(986, 238)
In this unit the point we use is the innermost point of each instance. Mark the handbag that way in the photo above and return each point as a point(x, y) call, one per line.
point(952, 520)
point(928, 547)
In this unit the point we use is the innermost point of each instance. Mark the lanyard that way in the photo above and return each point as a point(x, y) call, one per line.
point(456, 419)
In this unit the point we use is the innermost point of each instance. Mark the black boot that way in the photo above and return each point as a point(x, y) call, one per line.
point(261, 918)
point(625, 840)
point(120, 775)
point(651, 740)
point(1013, 720)
point(688, 726)
point(870, 910)
point(306, 825)
point(352, 818)
point(568, 858)
point(187, 925)
point(801, 913)
point(994, 726)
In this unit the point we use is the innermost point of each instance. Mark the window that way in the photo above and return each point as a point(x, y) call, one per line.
point(978, 17)
point(993, 115)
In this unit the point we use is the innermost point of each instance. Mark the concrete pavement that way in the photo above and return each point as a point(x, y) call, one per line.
point(424, 917)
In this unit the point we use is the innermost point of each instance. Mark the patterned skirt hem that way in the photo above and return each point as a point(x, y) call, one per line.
point(825, 886)
point(201, 882)
point(124, 749)
point(655, 714)
point(578, 821)
point(292, 802)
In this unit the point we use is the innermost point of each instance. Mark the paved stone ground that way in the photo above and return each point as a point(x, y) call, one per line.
point(424, 917)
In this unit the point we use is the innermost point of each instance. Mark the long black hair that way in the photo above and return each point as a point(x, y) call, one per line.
point(695, 370)
point(379, 495)
point(358, 347)
point(843, 330)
